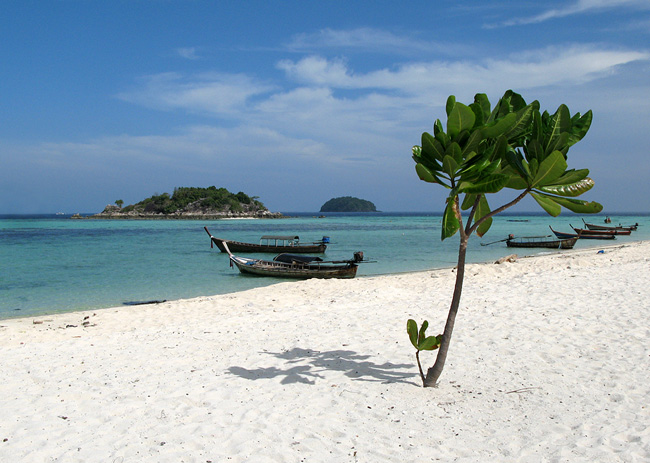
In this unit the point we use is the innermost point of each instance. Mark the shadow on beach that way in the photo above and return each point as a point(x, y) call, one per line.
point(352, 364)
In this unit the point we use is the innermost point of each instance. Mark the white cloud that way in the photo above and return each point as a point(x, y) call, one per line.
point(367, 40)
point(187, 53)
point(214, 93)
point(536, 68)
point(579, 7)
point(317, 70)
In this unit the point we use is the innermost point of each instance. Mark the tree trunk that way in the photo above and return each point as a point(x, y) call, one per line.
point(435, 371)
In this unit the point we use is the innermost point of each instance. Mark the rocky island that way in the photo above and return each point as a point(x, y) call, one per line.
point(190, 203)
point(348, 204)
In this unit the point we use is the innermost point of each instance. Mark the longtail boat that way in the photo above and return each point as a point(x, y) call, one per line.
point(541, 242)
point(296, 266)
point(593, 226)
point(271, 243)
point(563, 235)
point(585, 232)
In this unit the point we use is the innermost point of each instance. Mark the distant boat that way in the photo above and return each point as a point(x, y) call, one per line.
point(563, 235)
point(586, 232)
point(296, 266)
point(271, 243)
point(592, 226)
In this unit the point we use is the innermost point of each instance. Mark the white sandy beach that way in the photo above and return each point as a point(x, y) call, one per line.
point(550, 362)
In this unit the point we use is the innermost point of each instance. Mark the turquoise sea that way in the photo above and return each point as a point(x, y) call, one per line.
point(51, 264)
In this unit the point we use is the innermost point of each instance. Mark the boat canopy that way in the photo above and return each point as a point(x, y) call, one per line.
point(279, 237)
point(290, 258)
point(290, 240)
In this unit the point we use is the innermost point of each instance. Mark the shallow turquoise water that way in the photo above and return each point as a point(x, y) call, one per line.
point(54, 264)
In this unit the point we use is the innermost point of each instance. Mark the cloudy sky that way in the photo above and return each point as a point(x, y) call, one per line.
point(298, 102)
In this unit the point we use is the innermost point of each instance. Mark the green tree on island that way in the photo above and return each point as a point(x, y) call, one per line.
point(119, 203)
point(483, 151)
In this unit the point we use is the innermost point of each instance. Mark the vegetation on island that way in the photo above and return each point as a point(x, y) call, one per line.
point(483, 151)
point(348, 204)
point(191, 201)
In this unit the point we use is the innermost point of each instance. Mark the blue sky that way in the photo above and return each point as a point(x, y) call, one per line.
point(298, 102)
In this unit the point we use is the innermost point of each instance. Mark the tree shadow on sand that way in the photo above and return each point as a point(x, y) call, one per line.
point(305, 365)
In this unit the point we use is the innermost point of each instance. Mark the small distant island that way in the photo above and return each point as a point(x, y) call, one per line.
point(348, 204)
point(190, 203)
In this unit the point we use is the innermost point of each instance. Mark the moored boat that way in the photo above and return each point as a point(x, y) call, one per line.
point(593, 226)
point(296, 266)
point(271, 243)
point(563, 235)
point(586, 232)
point(541, 242)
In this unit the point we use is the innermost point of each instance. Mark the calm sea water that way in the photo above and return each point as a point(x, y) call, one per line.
point(51, 264)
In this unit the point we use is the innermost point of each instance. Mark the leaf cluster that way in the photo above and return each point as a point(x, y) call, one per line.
point(419, 339)
point(513, 145)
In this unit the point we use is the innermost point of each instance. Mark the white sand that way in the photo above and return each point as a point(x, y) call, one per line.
point(550, 362)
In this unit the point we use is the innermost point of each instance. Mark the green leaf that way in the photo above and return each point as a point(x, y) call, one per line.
point(437, 127)
point(488, 184)
point(550, 169)
point(450, 223)
point(423, 332)
point(475, 167)
point(523, 121)
point(500, 148)
point(575, 205)
point(482, 100)
point(412, 330)
point(426, 175)
point(559, 123)
point(572, 176)
point(443, 138)
point(449, 166)
point(537, 128)
point(572, 189)
point(550, 206)
point(451, 101)
point(516, 161)
point(516, 183)
point(477, 109)
point(432, 147)
point(426, 159)
point(455, 152)
point(460, 118)
point(560, 143)
point(430, 343)
point(579, 127)
point(533, 150)
point(482, 210)
point(472, 143)
point(500, 127)
point(468, 201)
point(516, 101)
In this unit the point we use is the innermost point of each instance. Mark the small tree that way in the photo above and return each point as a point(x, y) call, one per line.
point(483, 151)
point(119, 203)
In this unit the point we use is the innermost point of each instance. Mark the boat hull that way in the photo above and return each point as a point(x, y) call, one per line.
point(566, 243)
point(562, 235)
point(275, 269)
point(584, 233)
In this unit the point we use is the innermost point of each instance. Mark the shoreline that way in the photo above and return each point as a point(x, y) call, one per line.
point(549, 362)
point(507, 251)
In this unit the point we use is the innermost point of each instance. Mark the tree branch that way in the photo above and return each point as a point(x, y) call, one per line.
point(499, 210)
point(470, 217)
